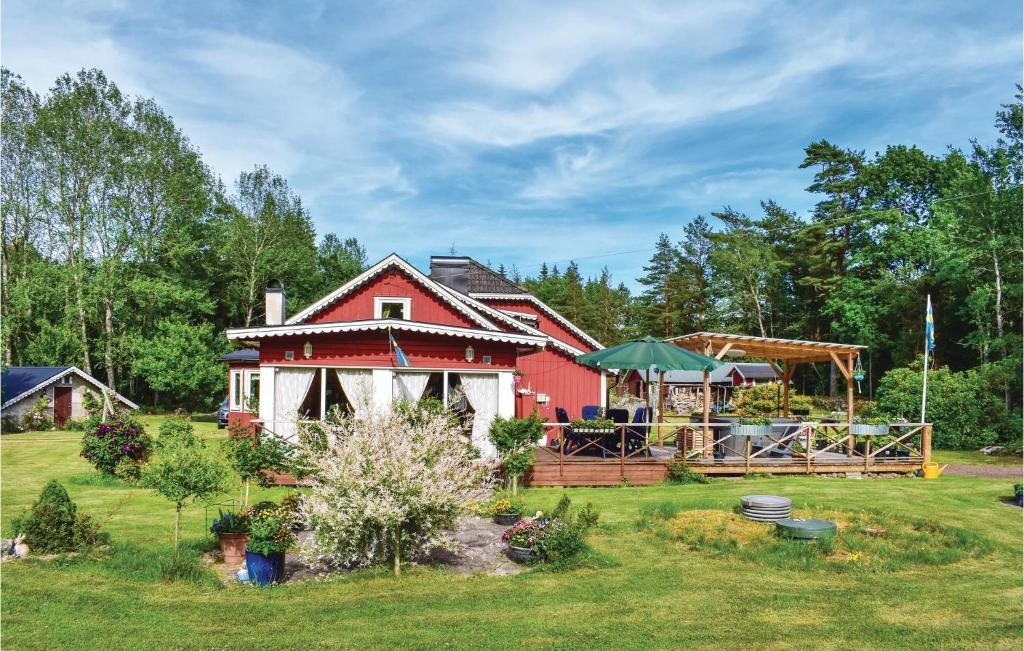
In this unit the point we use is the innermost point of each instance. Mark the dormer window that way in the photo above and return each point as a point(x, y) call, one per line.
point(392, 307)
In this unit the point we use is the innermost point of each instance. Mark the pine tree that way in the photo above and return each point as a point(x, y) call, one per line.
point(661, 299)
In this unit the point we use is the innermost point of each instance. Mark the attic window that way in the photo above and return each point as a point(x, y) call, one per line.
point(392, 307)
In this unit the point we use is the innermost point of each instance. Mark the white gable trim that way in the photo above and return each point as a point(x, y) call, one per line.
point(251, 334)
point(519, 325)
point(392, 260)
point(80, 373)
point(545, 308)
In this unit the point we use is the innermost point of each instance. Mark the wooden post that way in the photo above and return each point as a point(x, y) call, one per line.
point(707, 412)
point(661, 406)
point(848, 372)
point(561, 451)
point(748, 449)
point(787, 374)
point(622, 451)
point(867, 452)
point(926, 442)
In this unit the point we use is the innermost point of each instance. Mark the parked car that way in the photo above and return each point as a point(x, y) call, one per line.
point(222, 415)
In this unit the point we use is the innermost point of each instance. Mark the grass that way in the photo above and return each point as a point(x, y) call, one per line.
point(647, 591)
point(974, 458)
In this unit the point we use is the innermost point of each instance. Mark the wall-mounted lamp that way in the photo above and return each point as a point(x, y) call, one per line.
point(307, 350)
point(469, 353)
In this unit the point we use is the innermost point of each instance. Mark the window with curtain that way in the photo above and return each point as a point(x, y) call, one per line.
point(409, 385)
point(481, 391)
point(291, 385)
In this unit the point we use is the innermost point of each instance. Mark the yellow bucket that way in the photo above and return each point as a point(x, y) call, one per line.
point(931, 470)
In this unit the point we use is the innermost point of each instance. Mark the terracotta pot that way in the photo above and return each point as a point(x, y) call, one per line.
point(232, 546)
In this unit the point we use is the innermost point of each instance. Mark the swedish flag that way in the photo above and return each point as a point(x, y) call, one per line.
point(929, 327)
point(400, 357)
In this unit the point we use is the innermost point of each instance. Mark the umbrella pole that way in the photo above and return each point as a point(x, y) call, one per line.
point(661, 407)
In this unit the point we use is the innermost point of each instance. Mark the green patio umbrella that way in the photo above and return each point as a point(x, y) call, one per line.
point(645, 353)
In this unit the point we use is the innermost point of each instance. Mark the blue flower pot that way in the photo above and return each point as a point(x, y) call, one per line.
point(264, 570)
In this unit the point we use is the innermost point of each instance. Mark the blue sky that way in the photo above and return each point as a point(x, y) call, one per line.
point(523, 132)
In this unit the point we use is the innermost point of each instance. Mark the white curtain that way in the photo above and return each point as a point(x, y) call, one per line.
point(409, 386)
point(482, 393)
point(290, 388)
point(358, 387)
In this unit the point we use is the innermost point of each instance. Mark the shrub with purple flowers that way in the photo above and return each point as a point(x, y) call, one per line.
point(107, 442)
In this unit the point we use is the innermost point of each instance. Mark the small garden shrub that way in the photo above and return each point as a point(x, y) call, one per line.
point(866, 541)
point(765, 400)
point(106, 442)
point(561, 538)
point(679, 472)
point(128, 470)
point(37, 418)
point(53, 524)
point(966, 408)
point(516, 441)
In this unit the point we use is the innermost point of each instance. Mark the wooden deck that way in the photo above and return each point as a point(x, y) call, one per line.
point(907, 447)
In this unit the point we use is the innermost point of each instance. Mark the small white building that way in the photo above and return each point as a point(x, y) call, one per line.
point(63, 387)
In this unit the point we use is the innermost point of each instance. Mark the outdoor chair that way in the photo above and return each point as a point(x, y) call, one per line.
point(590, 412)
point(562, 417)
point(636, 436)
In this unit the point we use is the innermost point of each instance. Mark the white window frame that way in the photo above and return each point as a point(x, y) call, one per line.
point(236, 390)
point(406, 303)
point(247, 387)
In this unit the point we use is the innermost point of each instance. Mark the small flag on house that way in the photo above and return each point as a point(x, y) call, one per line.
point(400, 358)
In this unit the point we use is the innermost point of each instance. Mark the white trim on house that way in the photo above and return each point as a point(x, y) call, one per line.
point(392, 260)
point(545, 308)
point(263, 332)
point(82, 374)
point(517, 324)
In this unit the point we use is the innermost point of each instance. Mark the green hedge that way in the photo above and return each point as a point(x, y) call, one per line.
point(966, 408)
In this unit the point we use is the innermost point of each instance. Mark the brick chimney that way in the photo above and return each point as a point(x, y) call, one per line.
point(276, 301)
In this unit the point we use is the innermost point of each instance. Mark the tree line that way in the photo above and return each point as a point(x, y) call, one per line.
point(125, 255)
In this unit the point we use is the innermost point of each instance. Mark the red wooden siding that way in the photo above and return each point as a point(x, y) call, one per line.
point(426, 307)
point(546, 324)
point(567, 384)
point(371, 349)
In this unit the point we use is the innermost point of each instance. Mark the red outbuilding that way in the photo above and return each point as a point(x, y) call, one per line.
point(394, 333)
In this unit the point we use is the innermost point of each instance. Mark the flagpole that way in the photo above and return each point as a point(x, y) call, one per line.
point(924, 384)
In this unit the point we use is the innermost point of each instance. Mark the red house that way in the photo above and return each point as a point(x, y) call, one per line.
point(462, 329)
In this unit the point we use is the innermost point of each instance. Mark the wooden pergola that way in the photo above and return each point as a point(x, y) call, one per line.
point(784, 355)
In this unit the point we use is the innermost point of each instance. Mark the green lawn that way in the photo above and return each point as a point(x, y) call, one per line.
point(975, 458)
point(651, 593)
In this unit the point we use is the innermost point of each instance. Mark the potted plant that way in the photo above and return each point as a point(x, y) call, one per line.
point(757, 426)
point(525, 540)
point(1018, 494)
point(270, 536)
point(506, 512)
point(517, 377)
point(232, 530)
point(869, 426)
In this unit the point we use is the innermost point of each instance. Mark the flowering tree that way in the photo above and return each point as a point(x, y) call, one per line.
point(387, 484)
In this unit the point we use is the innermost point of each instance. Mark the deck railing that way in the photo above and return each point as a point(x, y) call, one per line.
point(812, 445)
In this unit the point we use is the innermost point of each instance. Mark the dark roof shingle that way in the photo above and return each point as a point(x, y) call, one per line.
point(16, 380)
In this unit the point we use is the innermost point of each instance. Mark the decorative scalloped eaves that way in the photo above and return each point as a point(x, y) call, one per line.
point(80, 373)
point(253, 334)
point(393, 260)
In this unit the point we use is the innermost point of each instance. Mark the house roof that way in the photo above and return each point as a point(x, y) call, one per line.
point(722, 374)
point(16, 382)
point(756, 371)
point(241, 355)
point(481, 278)
point(263, 332)
point(544, 307)
point(479, 312)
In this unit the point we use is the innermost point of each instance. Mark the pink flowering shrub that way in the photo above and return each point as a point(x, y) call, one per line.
point(387, 485)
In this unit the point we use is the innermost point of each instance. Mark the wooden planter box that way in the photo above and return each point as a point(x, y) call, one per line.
point(862, 429)
point(751, 430)
point(594, 431)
